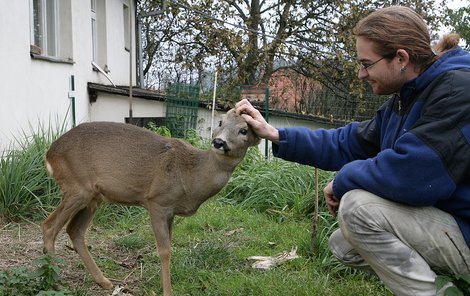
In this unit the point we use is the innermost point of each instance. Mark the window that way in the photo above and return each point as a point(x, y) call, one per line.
point(51, 29)
point(44, 26)
point(98, 33)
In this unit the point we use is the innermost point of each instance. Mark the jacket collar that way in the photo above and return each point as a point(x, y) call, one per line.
point(451, 60)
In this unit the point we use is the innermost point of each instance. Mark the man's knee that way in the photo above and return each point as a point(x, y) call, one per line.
point(356, 212)
point(354, 203)
point(344, 252)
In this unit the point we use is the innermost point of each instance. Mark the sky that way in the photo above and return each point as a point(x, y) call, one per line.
point(454, 4)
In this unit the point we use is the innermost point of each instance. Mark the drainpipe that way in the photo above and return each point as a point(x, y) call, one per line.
point(213, 103)
point(266, 117)
point(98, 68)
point(72, 98)
point(130, 66)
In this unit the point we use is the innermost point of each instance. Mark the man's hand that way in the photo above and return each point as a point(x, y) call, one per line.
point(257, 122)
point(331, 201)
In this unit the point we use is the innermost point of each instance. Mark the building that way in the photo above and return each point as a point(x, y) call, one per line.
point(53, 50)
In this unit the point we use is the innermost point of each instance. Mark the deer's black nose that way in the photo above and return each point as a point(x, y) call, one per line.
point(219, 143)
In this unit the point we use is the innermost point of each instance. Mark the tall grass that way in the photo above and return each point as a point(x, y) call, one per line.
point(275, 186)
point(26, 191)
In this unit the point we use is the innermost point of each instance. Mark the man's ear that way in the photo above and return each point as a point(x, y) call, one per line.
point(403, 57)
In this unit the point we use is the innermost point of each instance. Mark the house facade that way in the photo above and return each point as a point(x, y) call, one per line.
point(51, 50)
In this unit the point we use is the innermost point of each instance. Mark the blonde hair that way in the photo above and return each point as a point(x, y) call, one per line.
point(399, 27)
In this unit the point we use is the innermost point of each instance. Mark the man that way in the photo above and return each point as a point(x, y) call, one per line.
point(402, 191)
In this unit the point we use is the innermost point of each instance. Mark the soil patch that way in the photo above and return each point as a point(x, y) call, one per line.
point(21, 243)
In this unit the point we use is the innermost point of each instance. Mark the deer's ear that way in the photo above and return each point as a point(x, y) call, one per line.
point(254, 139)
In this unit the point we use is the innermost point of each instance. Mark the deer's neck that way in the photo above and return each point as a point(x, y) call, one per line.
point(208, 175)
point(216, 169)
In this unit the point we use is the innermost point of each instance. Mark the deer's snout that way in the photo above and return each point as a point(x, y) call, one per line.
point(218, 143)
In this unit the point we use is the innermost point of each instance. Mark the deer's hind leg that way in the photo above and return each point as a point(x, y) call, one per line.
point(72, 202)
point(76, 229)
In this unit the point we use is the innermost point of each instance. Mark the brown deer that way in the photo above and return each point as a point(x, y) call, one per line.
point(125, 164)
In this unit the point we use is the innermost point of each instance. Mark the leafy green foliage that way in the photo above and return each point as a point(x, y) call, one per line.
point(191, 135)
point(159, 130)
point(44, 280)
point(459, 19)
point(25, 188)
point(194, 139)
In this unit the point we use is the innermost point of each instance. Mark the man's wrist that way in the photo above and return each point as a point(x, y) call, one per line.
point(274, 135)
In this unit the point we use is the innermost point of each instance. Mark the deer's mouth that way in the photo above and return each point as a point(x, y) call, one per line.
point(220, 145)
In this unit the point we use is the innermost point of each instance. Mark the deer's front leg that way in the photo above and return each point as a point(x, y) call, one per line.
point(161, 224)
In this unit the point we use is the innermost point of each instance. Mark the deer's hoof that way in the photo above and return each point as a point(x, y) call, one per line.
point(106, 284)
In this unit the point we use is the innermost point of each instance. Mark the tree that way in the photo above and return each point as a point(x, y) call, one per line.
point(460, 19)
point(241, 38)
point(248, 40)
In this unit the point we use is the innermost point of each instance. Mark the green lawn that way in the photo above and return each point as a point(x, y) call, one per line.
point(210, 251)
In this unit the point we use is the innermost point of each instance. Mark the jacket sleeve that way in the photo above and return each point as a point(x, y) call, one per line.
point(428, 161)
point(326, 149)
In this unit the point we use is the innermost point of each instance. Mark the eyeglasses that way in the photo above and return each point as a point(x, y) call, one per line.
point(366, 65)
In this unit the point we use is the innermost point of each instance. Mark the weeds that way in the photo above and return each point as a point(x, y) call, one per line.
point(25, 188)
point(44, 280)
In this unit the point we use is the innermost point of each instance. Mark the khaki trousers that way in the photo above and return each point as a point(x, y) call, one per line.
point(403, 245)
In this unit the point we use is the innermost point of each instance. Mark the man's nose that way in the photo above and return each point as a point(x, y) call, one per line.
point(362, 73)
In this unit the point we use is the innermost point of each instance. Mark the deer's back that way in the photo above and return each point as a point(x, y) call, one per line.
point(116, 150)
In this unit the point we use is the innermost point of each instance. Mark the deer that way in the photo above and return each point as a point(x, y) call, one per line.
point(98, 162)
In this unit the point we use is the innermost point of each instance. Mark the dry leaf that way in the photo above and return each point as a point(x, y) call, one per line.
point(269, 262)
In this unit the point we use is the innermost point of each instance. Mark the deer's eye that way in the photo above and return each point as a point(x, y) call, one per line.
point(243, 131)
point(220, 123)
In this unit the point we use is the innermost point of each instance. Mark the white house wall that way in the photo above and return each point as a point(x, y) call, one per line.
point(116, 108)
point(34, 90)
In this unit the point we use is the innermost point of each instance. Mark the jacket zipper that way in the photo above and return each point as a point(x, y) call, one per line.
point(400, 117)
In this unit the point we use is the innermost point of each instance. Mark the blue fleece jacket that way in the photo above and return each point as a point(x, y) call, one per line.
point(416, 150)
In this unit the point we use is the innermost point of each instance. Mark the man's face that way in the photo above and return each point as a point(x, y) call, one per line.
point(383, 74)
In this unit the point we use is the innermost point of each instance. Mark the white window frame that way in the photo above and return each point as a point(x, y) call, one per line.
point(126, 20)
point(44, 29)
point(94, 32)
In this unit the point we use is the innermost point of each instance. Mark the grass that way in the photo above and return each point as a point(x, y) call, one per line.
point(265, 209)
point(26, 191)
point(210, 251)
point(276, 186)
